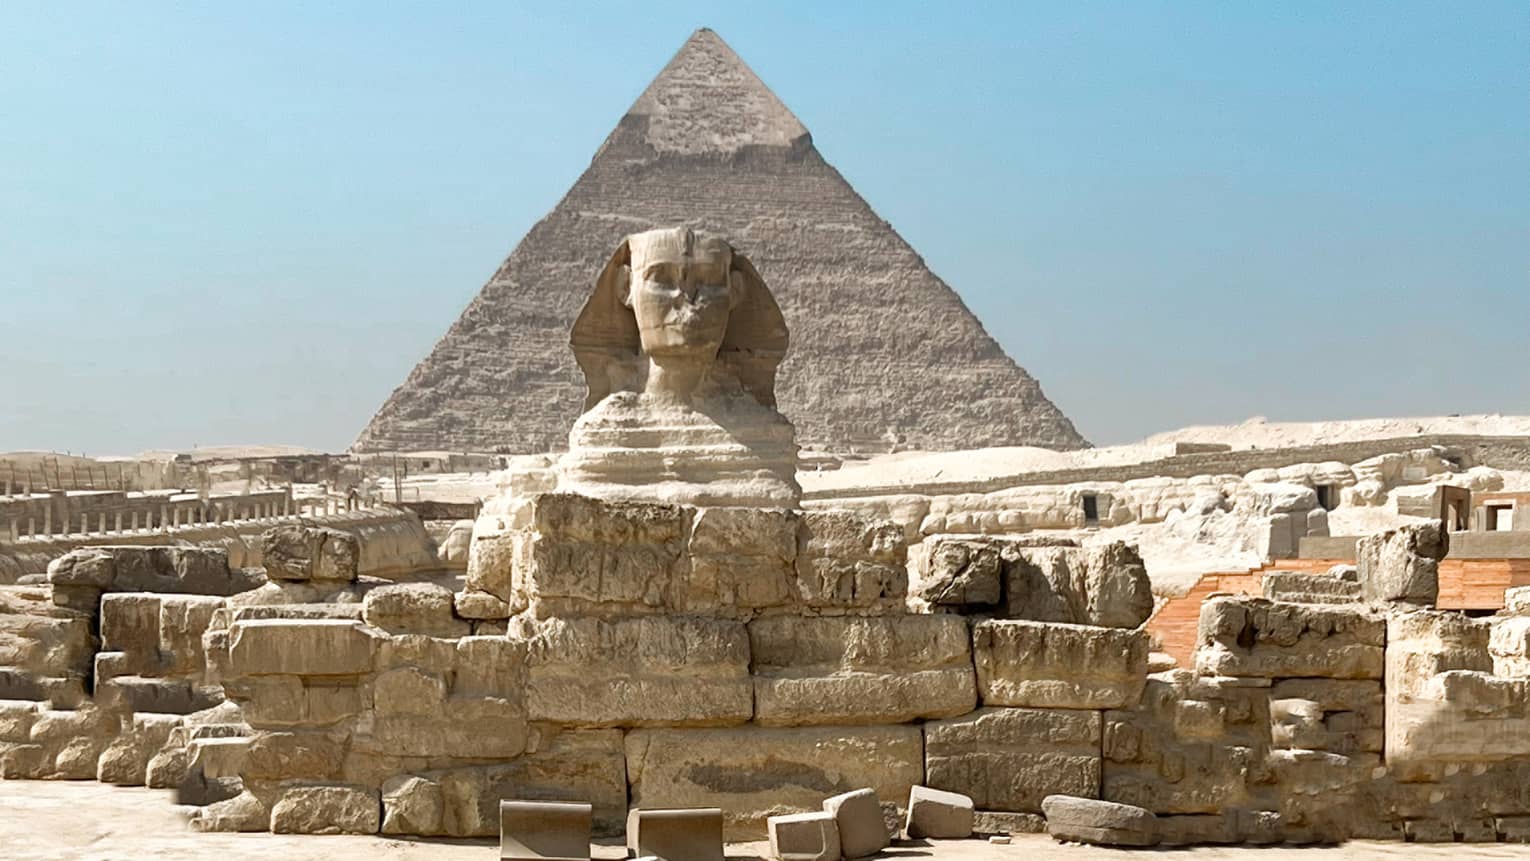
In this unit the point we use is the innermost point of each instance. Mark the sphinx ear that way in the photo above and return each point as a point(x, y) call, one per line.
point(623, 279)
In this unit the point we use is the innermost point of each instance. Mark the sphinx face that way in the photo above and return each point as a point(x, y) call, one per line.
point(681, 291)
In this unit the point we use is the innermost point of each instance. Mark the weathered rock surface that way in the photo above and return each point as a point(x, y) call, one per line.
point(842, 670)
point(938, 814)
point(1104, 823)
point(1105, 585)
point(1257, 637)
point(1009, 759)
point(413, 608)
point(755, 772)
point(1403, 564)
point(305, 551)
point(1045, 665)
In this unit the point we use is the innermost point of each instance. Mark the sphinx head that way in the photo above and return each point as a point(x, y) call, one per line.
point(671, 307)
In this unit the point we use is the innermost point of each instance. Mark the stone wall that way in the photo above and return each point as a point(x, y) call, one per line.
point(1019, 670)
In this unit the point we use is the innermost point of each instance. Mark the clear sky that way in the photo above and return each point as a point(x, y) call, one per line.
point(246, 222)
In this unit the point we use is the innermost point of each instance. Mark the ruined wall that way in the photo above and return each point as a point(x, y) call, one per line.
point(759, 661)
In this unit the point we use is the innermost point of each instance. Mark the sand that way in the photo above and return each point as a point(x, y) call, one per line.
point(914, 468)
point(87, 821)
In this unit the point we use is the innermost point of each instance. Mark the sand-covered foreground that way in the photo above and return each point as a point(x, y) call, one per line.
point(87, 821)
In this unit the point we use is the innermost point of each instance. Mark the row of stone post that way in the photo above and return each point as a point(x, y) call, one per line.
point(174, 516)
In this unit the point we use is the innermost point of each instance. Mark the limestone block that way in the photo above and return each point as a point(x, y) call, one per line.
point(850, 670)
point(753, 772)
point(219, 757)
point(336, 809)
point(1403, 564)
point(938, 814)
point(305, 551)
point(16, 719)
point(130, 624)
point(412, 805)
point(1516, 601)
point(741, 560)
point(544, 830)
point(847, 562)
point(1103, 823)
point(162, 696)
point(650, 671)
point(589, 556)
point(1302, 588)
point(491, 564)
point(94, 567)
point(310, 647)
point(126, 758)
point(1105, 585)
point(1047, 665)
point(558, 765)
point(1193, 745)
point(1009, 759)
point(158, 568)
point(413, 608)
point(304, 755)
point(1257, 637)
point(807, 837)
point(1346, 715)
point(960, 573)
point(478, 604)
point(183, 619)
point(858, 816)
point(1509, 644)
point(676, 835)
point(1007, 822)
point(244, 813)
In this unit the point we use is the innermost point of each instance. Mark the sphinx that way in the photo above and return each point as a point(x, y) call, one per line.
point(679, 346)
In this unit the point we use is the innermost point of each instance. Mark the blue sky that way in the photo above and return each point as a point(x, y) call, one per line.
point(236, 223)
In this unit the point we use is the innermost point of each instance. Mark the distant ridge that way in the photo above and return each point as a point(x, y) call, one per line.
point(883, 352)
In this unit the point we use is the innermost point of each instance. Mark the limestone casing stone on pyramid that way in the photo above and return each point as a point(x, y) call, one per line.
point(883, 351)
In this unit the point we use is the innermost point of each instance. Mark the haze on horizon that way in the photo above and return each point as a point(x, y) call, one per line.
point(246, 225)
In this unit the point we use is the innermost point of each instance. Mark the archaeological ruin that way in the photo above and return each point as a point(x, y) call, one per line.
point(665, 594)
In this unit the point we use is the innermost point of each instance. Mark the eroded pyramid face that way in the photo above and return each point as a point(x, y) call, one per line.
point(883, 353)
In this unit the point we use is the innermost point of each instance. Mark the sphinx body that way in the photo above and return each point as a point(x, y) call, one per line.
point(679, 345)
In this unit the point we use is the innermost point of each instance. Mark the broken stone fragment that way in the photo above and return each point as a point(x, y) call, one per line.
point(1103, 823)
point(804, 837)
point(938, 814)
point(858, 816)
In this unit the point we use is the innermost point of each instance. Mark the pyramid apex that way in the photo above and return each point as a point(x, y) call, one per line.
point(707, 100)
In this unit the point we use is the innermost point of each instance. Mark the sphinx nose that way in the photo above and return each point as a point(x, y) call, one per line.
point(688, 288)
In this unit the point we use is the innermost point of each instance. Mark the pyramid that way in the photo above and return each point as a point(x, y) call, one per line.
point(883, 353)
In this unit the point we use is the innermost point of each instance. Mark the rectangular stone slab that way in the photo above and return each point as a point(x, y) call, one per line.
point(753, 772)
point(1053, 665)
point(683, 834)
point(544, 831)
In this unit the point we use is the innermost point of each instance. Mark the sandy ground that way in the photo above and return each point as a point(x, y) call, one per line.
point(920, 467)
point(86, 821)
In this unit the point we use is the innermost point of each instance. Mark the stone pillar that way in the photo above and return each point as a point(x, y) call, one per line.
point(48, 519)
point(135, 520)
point(118, 526)
point(84, 523)
point(164, 520)
point(31, 527)
point(329, 505)
point(101, 523)
point(15, 532)
point(287, 503)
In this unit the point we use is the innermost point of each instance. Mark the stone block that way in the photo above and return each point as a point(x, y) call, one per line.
point(305, 551)
point(1044, 665)
point(1105, 585)
point(219, 757)
point(588, 556)
point(1009, 759)
point(308, 647)
point(1403, 564)
point(1007, 822)
point(804, 837)
point(491, 566)
point(130, 624)
point(183, 619)
point(1103, 823)
point(413, 608)
point(649, 671)
point(242, 813)
point(848, 670)
point(858, 816)
point(753, 772)
point(332, 809)
point(961, 573)
point(938, 814)
point(558, 765)
point(544, 830)
point(1303, 588)
point(1267, 639)
point(480, 605)
point(301, 755)
point(686, 834)
point(846, 562)
point(741, 561)
point(412, 805)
